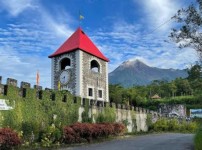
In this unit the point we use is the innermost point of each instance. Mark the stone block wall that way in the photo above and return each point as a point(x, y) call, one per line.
point(135, 118)
point(168, 110)
point(95, 80)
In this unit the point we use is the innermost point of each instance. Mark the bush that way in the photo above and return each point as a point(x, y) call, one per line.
point(161, 125)
point(175, 125)
point(86, 118)
point(8, 139)
point(70, 136)
point(28, 128)
point(86, 131)
point(119, 129)
point(197, 140)
point(52, 135)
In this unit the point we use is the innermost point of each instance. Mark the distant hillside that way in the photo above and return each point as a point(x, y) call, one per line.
point(135, 72)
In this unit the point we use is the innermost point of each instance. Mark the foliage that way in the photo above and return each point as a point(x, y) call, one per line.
point(34, 116)
point(188, 33)
point(164, 124)
point(8, 139)
point(70, 136)
point(85, 116)
point(108, 115)
point(80, 131)
point(194, 73)
point(149, 121)
point(198, 139)
point(52, 135)
point(181, 91)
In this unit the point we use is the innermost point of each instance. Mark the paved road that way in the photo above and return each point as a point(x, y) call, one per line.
point(168, 141)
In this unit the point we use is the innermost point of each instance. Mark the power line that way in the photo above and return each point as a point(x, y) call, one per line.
point(167, 21)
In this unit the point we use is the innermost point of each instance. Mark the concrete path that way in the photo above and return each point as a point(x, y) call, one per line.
point(168, 141)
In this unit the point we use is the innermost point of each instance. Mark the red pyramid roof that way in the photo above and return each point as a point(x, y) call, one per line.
point(79, 40)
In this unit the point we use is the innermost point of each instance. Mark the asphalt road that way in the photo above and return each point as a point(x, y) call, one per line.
point(168, 141)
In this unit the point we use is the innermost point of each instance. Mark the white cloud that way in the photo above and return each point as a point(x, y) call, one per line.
point(25, 47)
point(157, 12)
point(127, 42)
point(15, 7)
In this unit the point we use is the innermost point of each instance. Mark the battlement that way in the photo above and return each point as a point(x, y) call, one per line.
point(14, 82)
point(24, 86)
point(70, 106)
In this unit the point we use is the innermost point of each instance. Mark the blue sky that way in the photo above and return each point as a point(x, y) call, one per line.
point(30, 30)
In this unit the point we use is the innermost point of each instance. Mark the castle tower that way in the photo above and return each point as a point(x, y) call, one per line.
point(79, 67)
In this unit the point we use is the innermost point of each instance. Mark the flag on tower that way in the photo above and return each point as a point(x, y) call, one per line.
point(81, 17)
point(37, 78)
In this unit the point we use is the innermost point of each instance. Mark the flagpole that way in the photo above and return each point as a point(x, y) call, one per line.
point(80, 18)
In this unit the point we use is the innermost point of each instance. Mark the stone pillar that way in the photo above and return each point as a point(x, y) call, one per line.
point(1, 89)
point(37, 87)
point(123, 106)
point(12, 82)
point(47, 89)
point(39, 91)
point(140, 109)
point(106, 104)
point(25, 85)
point(113, 105)
point(23, 88)
point(118, 106)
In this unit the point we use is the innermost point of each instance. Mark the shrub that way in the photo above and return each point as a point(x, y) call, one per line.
point(173, 125)
point(84, 130)
point(50, 136)
point(197, 140)
point(78, 131)
point(70, 136)
point(100, 118)
point(8, 139)
point(86, 118)
point(191, 127)
point(28, 128)
point(119, 128)
point(161, 125)
point(109, 115)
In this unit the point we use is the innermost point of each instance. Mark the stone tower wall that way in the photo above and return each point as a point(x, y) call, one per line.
point(56, 72)
point(95, 80)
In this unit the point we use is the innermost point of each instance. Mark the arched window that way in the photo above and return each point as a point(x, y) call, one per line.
point(65, 63)
point(94, 66)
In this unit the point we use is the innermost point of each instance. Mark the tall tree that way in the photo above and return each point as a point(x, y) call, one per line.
point(189, 31)
point(194, 72)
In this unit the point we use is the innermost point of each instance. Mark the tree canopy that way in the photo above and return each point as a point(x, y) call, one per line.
point(189, 31)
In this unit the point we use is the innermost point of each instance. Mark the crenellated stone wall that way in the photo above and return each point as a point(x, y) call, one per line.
point(134, 117)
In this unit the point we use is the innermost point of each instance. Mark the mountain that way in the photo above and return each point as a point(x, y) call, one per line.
point(135, 72)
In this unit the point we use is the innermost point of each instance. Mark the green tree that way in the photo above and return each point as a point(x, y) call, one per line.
point(183, 87)
point(115, 93)
point(189, 31)
point(194, 73)
point(172, 88)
